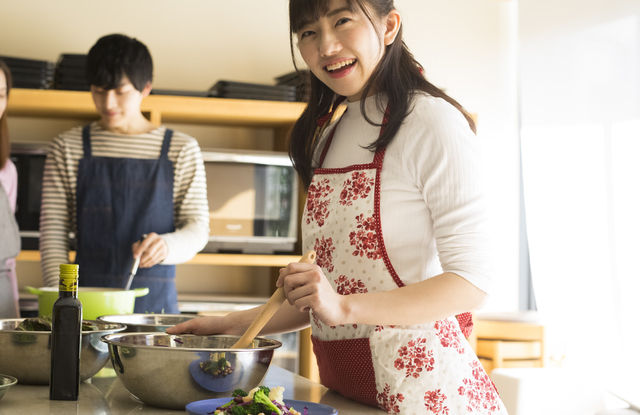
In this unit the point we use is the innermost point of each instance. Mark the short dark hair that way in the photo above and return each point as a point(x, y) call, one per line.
point(115, 55)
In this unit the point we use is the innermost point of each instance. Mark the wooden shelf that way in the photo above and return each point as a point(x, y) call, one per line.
point(203, 259)
point(277, 115)
point(161, 108)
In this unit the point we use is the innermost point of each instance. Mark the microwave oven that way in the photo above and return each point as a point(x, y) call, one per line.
point(29, 159)
point(252, 195)
point(253, 201)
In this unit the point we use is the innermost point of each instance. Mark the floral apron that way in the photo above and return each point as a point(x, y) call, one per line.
point(418, 369)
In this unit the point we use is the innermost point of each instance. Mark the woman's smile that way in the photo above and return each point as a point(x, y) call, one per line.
point(341, 69)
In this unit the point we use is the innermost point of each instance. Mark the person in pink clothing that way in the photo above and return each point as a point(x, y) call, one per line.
point(10, 246)
point(396, 213)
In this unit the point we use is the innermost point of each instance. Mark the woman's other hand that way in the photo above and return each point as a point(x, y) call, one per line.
point(152, 250)
point(202, 325)
point(307, 288)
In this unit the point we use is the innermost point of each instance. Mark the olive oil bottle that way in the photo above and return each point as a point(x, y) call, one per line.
point(66, 337)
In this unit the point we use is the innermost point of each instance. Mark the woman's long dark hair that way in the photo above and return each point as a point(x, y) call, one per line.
point(5, 145)
point(398, 75)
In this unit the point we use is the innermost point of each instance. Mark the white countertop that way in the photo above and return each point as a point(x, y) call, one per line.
point(107, 396)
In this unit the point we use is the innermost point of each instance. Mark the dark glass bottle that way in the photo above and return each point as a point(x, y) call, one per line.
point(66, 337)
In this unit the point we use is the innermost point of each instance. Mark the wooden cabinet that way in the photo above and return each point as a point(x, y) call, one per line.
point(278, 116)
point(508, 344)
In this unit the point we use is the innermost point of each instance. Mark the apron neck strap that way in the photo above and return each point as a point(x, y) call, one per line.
point(86, 141)
point(165, 144)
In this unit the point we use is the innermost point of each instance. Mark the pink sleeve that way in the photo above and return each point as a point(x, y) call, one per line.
point(9, 181)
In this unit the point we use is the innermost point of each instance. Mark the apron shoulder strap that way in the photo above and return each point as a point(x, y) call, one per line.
point(166, 143)
point(86, 141)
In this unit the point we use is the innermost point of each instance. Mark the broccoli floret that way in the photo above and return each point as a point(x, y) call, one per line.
point(239, 410)
point(239, 392)
point(264, 389)
point(260, 397)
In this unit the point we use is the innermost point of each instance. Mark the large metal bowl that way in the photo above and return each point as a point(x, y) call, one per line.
point(26, 355)
point(165, 370)
point(147, 322)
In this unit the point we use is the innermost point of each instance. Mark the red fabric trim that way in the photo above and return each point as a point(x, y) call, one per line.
point(346, 367)
point(465, 321)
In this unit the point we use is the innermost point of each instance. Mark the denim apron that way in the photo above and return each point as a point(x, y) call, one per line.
point(403, 369)
point(119, 200)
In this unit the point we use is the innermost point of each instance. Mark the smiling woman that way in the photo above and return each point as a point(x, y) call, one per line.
point(396, 212)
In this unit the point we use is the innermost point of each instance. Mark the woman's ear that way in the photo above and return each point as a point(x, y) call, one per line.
point(146, 90)
point(392, 27)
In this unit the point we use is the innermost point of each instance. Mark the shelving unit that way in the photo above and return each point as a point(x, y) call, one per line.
point(204, 259)
point(279, 116)
point(187, 110)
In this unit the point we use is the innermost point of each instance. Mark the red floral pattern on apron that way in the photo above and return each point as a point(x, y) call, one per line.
point(426, 368)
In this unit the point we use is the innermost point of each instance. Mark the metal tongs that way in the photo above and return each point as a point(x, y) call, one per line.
point(134, 267)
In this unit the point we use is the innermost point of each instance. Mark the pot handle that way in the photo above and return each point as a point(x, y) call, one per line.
point(33, 290)
point(140, 292)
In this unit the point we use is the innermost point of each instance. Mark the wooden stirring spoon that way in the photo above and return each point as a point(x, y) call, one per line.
point(269, 310)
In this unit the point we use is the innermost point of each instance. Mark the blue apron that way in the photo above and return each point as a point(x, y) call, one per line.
point(119, 200)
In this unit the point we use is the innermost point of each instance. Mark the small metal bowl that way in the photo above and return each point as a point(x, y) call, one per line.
point(147, 322)
point(168, 371)
point(26, 355)
point(5, 383)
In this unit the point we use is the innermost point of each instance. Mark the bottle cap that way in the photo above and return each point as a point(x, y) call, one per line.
point(68, 277)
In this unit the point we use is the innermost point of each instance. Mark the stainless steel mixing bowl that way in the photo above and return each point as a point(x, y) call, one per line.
point(167, 370)
point(147, 322)
point(26, 355)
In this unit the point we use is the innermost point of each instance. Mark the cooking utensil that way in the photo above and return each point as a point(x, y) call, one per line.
point(96, 301)
point(134, 267)
point(269, 310)
point(5, 383)
point(147, 322)
point(157, 368)
point(26, 355)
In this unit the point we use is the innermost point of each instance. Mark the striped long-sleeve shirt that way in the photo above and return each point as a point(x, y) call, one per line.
point(58, 211)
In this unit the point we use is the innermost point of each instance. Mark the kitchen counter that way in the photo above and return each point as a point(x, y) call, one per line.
point(107, 396)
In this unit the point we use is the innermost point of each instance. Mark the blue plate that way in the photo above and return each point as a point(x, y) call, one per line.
point(208, 407)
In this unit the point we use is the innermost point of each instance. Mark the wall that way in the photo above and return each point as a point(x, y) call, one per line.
point(580, 128)
point(466, 47)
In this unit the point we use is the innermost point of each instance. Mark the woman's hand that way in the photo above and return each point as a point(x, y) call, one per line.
point(307, 288)
point(152, 250)
point(204, 325)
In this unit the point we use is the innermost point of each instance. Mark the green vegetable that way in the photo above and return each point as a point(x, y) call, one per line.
point(44, 324)
point(260, 397)
point(241, 410)
point(35, 324)
point(239, 392)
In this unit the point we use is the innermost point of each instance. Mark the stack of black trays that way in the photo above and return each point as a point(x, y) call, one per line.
point(179, 93)
point(297, 80)
point(241, 90)
point(70, 73)
point(30, 73)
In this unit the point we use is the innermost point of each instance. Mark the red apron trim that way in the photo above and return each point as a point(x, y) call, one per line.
point(465, 321)
point(346, 367)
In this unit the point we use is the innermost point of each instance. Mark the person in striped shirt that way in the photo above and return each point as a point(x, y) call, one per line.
point(121, 178)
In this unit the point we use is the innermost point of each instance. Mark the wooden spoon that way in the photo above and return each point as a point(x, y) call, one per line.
point(269, 310)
